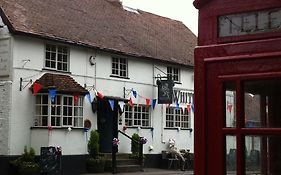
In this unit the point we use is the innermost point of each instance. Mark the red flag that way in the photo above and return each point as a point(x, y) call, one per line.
point(76, 97)
point(229, 106)
point(188, 108)
point(131, 102)
point(36, 88)
point(147, 102)
point(100, 95)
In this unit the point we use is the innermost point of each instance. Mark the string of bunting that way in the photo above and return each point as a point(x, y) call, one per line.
point(149, 102)
point(189, 106)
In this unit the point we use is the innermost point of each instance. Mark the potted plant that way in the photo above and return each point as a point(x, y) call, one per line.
point(135, 146)
point(26, 164)
point(95, 162)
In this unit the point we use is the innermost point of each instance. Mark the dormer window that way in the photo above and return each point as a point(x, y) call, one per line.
point(57, 57)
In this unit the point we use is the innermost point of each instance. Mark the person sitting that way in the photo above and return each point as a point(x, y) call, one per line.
point(174, 150)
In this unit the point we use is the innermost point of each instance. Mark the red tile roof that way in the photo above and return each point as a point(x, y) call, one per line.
point(103, 25)
point(62, 83)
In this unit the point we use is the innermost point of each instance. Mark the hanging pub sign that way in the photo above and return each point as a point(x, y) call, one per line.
point(165, 91)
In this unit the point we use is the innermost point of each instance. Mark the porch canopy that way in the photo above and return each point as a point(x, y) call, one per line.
point(64, 84)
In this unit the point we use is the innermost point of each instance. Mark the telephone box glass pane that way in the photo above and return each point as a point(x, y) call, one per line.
point(253, 154)
point(262, 103)
point(263, 155)
point(230, 100)
point(230, 155)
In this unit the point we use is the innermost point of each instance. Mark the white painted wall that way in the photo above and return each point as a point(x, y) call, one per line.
point(27, 61)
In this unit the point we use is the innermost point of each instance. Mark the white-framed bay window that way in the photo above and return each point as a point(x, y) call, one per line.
point(138, 115)
point(177, 117)
point(63, 112)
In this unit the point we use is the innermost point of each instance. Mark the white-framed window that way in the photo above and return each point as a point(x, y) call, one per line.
point(138, 115)
point(63, 112)
point(120, 67)
point(56, 57)
point(174, 73)
point(177, 117)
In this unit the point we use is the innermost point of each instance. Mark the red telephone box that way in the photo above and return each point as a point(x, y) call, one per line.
point(238, 87)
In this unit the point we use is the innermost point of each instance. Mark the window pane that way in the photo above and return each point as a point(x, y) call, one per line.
point(230, 155)
point(230, 101)
point(263, 155)
point(44, 121)
point(262, 100)
point(253, 154)
point(170, 117)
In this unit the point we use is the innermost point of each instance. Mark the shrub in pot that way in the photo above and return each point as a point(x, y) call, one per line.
point(26, 164)
point(95, 162)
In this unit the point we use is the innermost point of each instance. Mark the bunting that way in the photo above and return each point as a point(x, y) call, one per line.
point(177, 105)
point(36, 88)
point(188, 107)
point(89, 97)
point(52, 94)
point(154, 103)
point(100, 95)
point(147, 102)
point(76, 97)
point(229, 107)
point(121, 105)
point(131, 102)
point(111, 102)
point(134, 93)
point(192, 107)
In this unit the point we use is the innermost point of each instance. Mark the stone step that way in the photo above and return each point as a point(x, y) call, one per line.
point(118, 155)
point(126, 162)
point(123, 163)
point(128, 168)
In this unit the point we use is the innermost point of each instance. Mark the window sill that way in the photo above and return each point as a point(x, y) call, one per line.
point(190, 129)
point(142, 127)
point(116, 76)
point(54, 70)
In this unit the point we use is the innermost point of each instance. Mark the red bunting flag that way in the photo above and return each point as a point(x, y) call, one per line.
point(229, 107)
point(131, 102)
point(100, 95)
point(76, 97)
point(36, 88)
point(188, 107)
point(147, 102)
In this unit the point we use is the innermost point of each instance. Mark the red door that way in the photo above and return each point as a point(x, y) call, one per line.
point(242, 117)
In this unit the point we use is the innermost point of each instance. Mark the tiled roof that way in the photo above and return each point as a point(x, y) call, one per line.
point(62, 83)
point(103, 25)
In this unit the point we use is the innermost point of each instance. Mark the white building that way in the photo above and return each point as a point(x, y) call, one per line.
point(80, 48)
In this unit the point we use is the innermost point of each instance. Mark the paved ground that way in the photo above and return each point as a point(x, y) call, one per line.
point(152, 171)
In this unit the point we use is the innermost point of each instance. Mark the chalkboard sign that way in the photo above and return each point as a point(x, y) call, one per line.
point(48, 159)
point(165, 91)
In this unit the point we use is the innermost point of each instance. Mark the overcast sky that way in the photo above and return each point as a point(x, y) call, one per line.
point(181, 10)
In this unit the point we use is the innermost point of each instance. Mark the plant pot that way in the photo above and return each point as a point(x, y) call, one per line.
point(95, 165)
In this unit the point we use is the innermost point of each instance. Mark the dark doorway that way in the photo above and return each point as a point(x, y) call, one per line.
point(107, 124)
